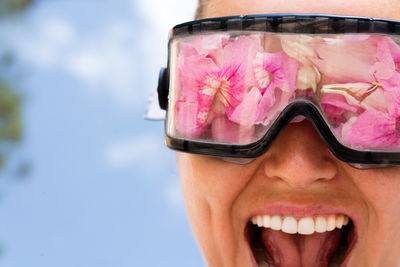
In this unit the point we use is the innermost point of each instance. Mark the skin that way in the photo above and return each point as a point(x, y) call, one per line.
point(297, 172)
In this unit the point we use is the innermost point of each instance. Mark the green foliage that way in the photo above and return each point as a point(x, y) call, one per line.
point(10, 120)
point(12, 6)
point(10, 115)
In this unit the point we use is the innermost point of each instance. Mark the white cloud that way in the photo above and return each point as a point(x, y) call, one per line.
point(163, 15)
point(111, 60)
point(173, 195)
point(103, 60)
point(107, 61)
point(43, 43)
point(87, 65)
point(58, 31)
point(125, 153)
point(160, 17)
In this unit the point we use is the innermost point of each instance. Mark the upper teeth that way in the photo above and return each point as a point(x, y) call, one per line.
point(304, 226)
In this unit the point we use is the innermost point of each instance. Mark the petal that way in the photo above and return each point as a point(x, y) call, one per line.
point(283, 68)
point(261, 76)
point(186, 121)
point(338, 101)
point(232, 92)
point(393, 83)
point(211, 46)
point(207, 90)
point(242, 51)
point(386, 70)
point(193, 71)
point(381, 71)
point(373, 130)
point(241, 54)
point(335, 106)
point(356, 37)
point(224, 130)
point(207, 43)
point(298, 47)
point(187, 50)
point(346, 60)
point(308, 77)
point(393, 101)
point(237, 70)
point(394, 48)
point(245, 112)
point(272, 104)
point(192, 115)
point(376, 100)
point(267, 101)
point(365, 95)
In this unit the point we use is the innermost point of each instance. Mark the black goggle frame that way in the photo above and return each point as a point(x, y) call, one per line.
point(281, 23)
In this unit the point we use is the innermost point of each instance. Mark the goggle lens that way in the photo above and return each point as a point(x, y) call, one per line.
point(229, 88)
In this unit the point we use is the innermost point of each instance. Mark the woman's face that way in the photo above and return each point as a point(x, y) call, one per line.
point(297, 177)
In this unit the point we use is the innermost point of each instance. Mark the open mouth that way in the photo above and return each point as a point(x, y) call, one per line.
point(286, 241)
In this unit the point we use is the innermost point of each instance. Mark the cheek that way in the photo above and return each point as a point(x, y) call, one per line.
point(213, 181)
point(210, 189)
point(380, 189)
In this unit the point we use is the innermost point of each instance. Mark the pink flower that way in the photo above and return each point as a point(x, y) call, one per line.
point(336, 106)
point(345, 60)
point(386, 69)
point(341, 101)
point(245, 112)
point(209, 88)
point(374, 129)
point(189, 119)
point(298, 47)
point(368, 67)
point(208, 46)
point(358, 58)
point(224, 130)
point(276, 76)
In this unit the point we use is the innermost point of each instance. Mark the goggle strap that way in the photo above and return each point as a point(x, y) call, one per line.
point(163, 88)
point(289, 23)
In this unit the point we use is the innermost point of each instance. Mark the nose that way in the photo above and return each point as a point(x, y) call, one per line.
point(299, 157)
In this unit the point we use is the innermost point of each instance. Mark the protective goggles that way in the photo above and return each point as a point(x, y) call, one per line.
point(233, 83)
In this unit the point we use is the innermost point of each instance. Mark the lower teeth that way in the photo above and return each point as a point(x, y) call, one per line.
point(264, 264)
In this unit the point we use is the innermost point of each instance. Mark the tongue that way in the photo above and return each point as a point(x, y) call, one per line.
point(300, 250)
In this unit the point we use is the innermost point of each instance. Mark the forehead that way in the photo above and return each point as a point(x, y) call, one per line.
point(388, 9)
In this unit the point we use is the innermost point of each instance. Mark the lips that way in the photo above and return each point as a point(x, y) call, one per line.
point(292, 236)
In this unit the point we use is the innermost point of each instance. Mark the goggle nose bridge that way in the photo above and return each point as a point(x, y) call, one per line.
point(311, 112)
point(300, 107)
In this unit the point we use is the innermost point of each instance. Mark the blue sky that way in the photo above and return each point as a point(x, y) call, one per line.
point(103, 190)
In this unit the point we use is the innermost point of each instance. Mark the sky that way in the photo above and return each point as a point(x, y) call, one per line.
point(102, 189)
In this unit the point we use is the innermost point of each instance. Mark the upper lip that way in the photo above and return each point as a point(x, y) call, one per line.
point(302, 205)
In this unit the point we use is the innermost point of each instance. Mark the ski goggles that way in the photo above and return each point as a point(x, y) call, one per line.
point(233, 83)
